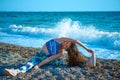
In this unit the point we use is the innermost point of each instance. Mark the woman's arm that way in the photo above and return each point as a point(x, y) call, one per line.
point(78, 42)
point(74, 41)
point(81, 44)
point(51, 58)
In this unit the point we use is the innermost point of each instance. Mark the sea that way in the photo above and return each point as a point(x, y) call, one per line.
point(99, 31)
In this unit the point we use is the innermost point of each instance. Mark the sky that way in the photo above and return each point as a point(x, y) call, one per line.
point(59, 5)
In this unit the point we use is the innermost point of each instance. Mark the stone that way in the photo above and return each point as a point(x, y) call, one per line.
point(41, 76)
point(47, 73)
point(81, 78)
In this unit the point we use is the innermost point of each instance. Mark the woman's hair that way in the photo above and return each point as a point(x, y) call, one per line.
point(74, 56)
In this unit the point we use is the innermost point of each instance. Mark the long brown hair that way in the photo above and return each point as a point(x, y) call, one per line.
point(74, 56)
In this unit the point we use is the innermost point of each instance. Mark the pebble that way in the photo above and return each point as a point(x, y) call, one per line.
point(41, 76)
point(47, 73)
point(81, 78)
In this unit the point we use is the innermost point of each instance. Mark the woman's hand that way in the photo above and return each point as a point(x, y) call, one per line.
point(36, 67)
point(89, 50)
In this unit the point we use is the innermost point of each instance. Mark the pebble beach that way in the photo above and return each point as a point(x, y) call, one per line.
point(14, 56)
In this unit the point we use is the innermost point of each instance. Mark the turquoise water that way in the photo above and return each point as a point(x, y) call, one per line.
point(97, 30)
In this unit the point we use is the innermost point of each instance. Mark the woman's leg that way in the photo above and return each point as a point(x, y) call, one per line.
point(92, 61)
point(32, 62)
point(40, 56)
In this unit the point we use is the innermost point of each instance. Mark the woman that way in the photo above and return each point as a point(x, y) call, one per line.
point(54, 49)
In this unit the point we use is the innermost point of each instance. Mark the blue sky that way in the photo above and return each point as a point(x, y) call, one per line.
point(59, 5)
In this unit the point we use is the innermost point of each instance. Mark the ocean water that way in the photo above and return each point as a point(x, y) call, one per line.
point(99, 31)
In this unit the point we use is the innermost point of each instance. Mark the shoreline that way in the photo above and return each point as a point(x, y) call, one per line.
point(13, 56)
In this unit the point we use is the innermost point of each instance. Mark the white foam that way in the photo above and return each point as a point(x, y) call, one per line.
point(74, 29)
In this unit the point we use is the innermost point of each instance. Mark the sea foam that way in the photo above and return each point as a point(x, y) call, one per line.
point(73, 29)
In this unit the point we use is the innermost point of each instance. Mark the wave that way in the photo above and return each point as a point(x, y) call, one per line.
point(69, 28)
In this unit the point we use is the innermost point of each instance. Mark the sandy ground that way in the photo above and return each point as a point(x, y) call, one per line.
point(14, 56)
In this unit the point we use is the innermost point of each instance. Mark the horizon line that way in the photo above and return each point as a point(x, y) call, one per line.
point(59, 11)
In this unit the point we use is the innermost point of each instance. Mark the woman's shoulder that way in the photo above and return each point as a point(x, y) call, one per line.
point(59, 40)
